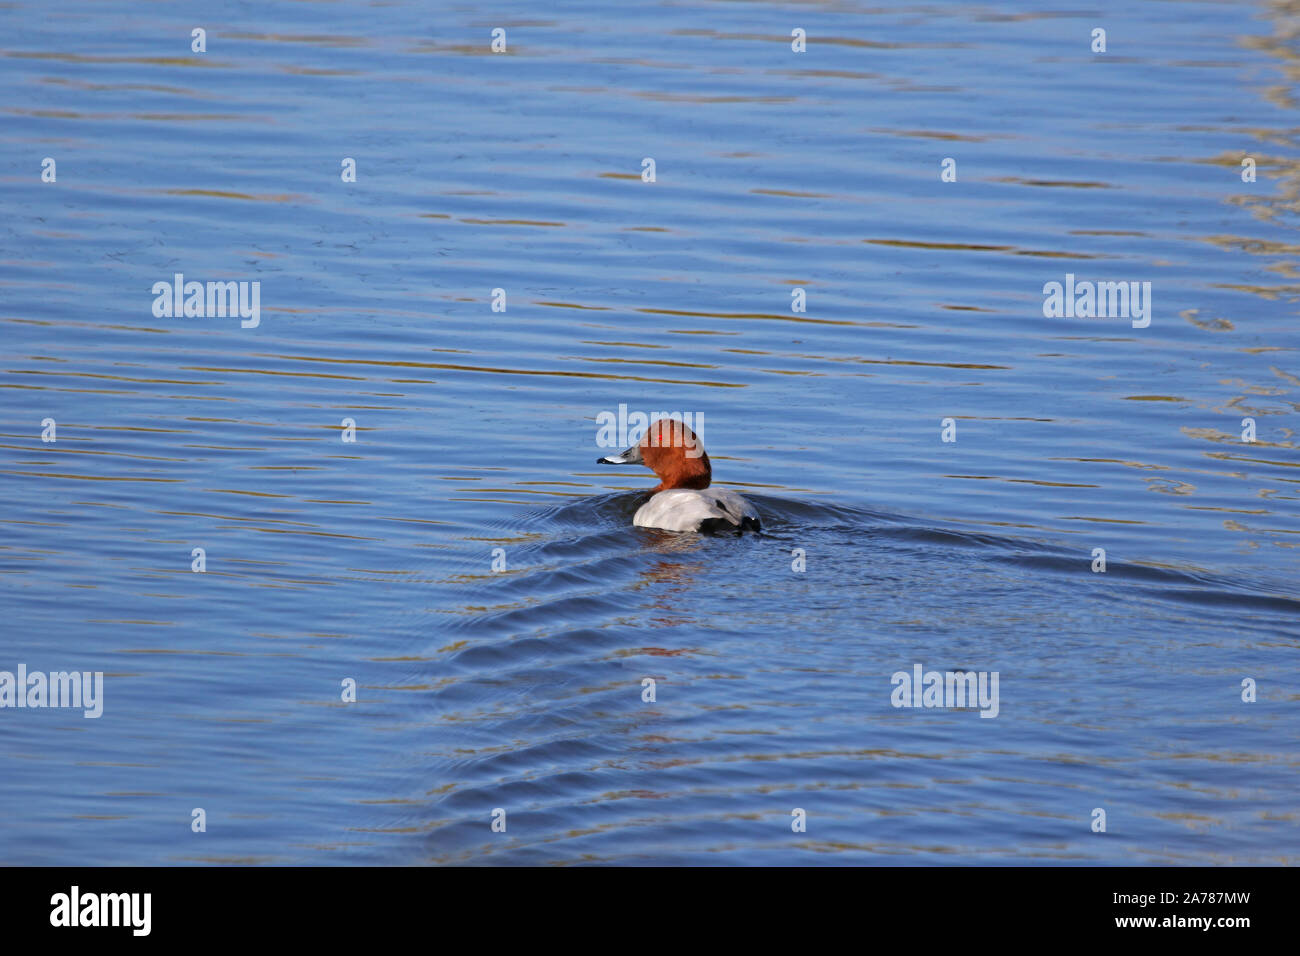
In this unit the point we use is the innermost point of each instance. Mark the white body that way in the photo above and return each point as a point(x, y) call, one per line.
point(684, 509)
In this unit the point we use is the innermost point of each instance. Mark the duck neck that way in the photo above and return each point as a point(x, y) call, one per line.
point(685, 472)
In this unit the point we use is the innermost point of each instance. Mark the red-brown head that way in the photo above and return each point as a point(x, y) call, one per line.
point(672, 451)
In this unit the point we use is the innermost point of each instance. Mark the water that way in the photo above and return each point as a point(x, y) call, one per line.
point(521, 689)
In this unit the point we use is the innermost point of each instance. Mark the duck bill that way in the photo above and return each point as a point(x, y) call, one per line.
point(631, 456)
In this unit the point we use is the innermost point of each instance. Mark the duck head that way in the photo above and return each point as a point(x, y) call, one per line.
point(672, 451)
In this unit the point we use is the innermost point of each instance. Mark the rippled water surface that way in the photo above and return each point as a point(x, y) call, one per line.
point(513, 678)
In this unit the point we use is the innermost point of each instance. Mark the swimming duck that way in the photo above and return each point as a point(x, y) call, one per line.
point(683, 500)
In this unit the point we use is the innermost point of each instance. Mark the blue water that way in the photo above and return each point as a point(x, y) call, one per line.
point(471, 569)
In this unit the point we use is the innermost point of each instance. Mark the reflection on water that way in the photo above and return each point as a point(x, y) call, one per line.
point(477, 578)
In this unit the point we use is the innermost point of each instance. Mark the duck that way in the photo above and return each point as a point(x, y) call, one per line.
point(683, 500)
